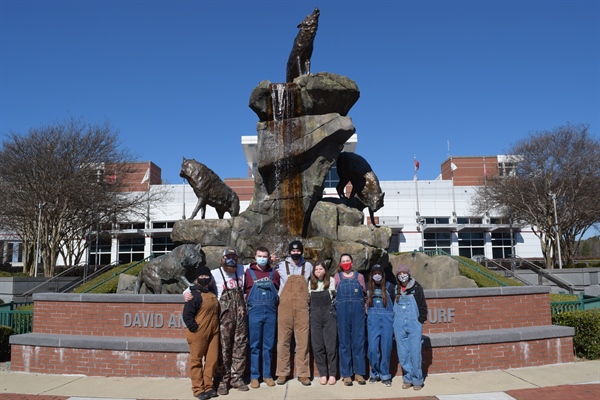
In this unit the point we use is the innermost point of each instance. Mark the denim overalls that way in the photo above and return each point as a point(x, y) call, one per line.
point(408, 331)
point(350, 304)
point(262, 321)
point(380, 328)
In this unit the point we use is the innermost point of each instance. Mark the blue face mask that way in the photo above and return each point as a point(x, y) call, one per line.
point(230, 262)
point(261, 261)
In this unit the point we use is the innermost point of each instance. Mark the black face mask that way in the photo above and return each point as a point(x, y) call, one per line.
point(296, 257)
point(203, 281)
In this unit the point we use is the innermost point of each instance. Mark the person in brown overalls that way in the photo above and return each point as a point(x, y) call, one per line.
point(293, 315)
point(201, 316)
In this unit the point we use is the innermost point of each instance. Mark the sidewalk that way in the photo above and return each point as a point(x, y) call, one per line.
point(573, 381)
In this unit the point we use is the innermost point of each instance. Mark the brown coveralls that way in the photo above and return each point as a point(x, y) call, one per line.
point(204, 343)
point(293, 319)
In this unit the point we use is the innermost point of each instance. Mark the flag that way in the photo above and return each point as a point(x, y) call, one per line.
point(453, 167)
point(146, 176)
point(416, 165)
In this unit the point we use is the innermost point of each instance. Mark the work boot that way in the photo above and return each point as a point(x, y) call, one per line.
point(254, 384)
point(304, 380)
point(240, 385)
point(222, 389)
point(347, 381)
point(269, 381)
point(281, 380)
point(359, 379)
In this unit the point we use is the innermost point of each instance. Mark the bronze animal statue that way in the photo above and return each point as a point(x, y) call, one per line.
point(178, 267)
point(209, 189)
point(365, 186)
point(299, 61)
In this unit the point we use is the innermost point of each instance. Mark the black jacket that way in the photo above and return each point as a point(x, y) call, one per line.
point(413, 287)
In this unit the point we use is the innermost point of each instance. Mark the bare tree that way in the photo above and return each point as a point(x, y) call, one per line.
point(60, 180)
point(564, 162)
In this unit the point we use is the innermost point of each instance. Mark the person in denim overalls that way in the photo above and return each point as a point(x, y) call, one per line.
point(410, 313)
point(261, 284)
point(380, 325)
point(350, 304)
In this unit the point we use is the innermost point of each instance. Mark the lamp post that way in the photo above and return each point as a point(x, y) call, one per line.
point(37, 243)
point(553, 195)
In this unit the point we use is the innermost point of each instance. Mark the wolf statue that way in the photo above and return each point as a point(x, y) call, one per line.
point(209, 189)
point(365, 185)
point(299, 61)
point(178, 266)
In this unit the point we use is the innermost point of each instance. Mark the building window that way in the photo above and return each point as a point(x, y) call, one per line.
point(131, 225)
point(501, 245)
point(162, 245)
point(100, 250)
point(437, 240)
point(499, 221)
point(162, 225)
point(332, 178)
point(471, 244)
point(131, 249)
point(469, 220)
point(437, 220)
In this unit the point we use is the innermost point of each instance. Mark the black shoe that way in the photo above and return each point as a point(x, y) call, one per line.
point(373, 379)
point(203, 396)
point(211, 393)
point(387, 382)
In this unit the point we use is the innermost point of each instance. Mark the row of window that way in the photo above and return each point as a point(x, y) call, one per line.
point(470, 243)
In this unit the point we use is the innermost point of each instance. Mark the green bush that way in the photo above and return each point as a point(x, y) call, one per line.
point(111, 277)
point(587, 331)
point(5, 332)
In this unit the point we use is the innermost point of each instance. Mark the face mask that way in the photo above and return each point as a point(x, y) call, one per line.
point(377, 277)
point(230, 262)
point(296, 257)
point(203, 281)
point(402, 277)
point(347, 266)
point(261, 261)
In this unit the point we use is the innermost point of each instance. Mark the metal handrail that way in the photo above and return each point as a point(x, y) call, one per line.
point(507, 271)
point(441, 252)
point(28, 293)
point(150, 257)
point(91, 276)
point(542, 273)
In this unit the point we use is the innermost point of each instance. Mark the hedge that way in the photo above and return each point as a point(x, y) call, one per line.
point(586, 341)
point(5, 332)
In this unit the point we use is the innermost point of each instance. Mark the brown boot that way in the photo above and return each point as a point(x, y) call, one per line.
point(254, 384)
point(269, 381)
point(304, 380)
point(359, 379)
point(348, 381)
point(281, 380)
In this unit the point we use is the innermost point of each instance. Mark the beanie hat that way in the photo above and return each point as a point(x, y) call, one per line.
point(403, 268)
point(296, 245)
point(203, 270)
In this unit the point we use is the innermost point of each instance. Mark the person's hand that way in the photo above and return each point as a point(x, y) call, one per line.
point(187, 296)
point(274, 259)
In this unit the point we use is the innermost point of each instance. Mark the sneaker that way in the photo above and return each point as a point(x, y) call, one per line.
point(347, 381)
point(373, 379)
point(304, 380)
point(222, 390)
point(332, 380)
point(359, 379)
point(254, 384)
point(323, 380)
point(281, 380)
point(387, 382)
point(406, 385)
point(211, 393)
point(241, 386)
point(418, 387)
point(269, 381)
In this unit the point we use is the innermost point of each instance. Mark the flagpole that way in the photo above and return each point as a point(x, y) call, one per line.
point(419, 219)
point(452, 168)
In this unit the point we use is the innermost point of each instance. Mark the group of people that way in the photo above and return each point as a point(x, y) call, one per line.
point(235, 307)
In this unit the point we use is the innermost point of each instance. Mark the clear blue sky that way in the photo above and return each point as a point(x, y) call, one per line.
point(175, 77)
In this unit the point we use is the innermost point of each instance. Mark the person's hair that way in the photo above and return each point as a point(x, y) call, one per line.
point(263, 249)
point(314, 282)
point(371, 290)
point(339, 269)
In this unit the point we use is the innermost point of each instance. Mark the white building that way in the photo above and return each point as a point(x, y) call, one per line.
point(430, 214)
